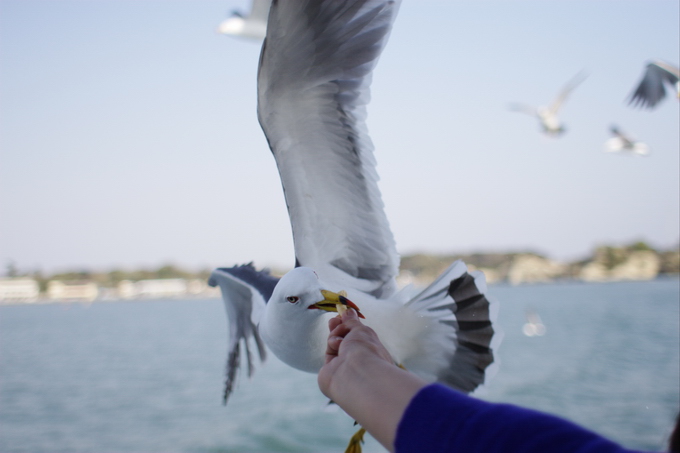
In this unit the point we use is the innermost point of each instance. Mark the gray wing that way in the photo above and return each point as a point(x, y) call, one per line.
point(650, 91)
point(522, 108)
point(568, 88)
point(313, 87)
point(260, 10)
point(626, 141)
point(245, 292)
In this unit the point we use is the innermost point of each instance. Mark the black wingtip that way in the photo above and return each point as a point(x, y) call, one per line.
point(262, 280)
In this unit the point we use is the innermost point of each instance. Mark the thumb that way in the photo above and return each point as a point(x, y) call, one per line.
point(350, 317)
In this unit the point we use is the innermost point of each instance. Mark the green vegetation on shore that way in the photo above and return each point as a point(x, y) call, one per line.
point(111, 278)
point(503, 266)
point(497, 266)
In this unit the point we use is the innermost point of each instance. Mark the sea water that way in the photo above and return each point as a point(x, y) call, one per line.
point(147, 376)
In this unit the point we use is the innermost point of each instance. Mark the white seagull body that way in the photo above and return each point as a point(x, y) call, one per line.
point(313, 87)
point(651, 90)
point(253, 26)
point(622, 143)
point(547, 116)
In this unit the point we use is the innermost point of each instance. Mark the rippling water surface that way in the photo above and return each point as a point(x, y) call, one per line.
point(147, 376)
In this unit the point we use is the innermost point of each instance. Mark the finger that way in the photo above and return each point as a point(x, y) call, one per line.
point(341, 326)
point(334, 322)
point(351, 319)
point(349, 314)
point(334, 345)
point(332, 348)
point(340, 330)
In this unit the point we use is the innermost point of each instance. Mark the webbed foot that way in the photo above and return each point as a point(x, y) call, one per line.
point(356, 441)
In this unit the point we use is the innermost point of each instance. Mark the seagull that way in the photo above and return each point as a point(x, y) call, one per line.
point(253, 26)
point(547, 116)
point(624, 143)
point(650, 91)
point(313, 88)
point(534, 326)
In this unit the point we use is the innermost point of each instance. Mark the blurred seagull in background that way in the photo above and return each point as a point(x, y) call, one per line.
point(253, 26)
point(651, 90)
point(547, 116)
point(313, 87)
point(622, 143)
point(534, 326)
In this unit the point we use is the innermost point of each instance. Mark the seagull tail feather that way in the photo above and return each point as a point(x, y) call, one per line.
point(457, 299)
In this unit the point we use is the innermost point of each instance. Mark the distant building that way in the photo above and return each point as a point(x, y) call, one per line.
point(491, 276)
point(198, 287)
point(533, 269)
point(165, 288)
point(75, 291)
point(639, 265)
point(152, 289)
point(594, 272)
point(19, 290)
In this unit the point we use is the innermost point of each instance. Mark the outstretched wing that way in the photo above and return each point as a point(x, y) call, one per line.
point(650, 91)
point(522, 108)
point(260, 10)
point(568, 88)
point(626, 142)
point(245, 292)
point(313, 87)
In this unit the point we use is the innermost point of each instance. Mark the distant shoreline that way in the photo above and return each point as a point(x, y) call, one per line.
point(633, 262)
point(216, 296)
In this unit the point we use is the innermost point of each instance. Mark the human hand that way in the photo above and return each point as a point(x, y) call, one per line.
point(361, 377)
point(351, 345)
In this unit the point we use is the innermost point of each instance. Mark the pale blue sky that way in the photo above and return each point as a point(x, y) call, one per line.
point(129, 137)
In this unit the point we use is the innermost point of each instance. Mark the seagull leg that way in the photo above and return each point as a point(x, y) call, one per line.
point(356, 441)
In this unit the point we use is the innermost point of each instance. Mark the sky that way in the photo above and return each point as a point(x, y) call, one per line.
point(129, 137)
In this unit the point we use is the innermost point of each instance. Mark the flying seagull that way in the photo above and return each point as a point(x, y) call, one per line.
point(253, 26)
point(547, 116)
point(313, 87)
point(622, 143)
point(651, 90)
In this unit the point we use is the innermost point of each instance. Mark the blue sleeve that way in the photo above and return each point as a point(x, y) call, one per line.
point(440, 420)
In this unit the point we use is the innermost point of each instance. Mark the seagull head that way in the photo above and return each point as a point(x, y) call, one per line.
point(292, 325)
point(301, 289)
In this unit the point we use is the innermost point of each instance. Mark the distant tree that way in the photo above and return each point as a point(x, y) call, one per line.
point(204, 274)
point(11, 270)
point(116, 276)
point(170, 271)
point(609, 256)
point(142, 274)
point(640, 246)
point(670, 261)
point(38, 276)
point(80, 275)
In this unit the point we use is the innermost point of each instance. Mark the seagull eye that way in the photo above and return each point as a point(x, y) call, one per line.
point(292, 299)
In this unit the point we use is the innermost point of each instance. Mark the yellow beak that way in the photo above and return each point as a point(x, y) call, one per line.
point(335, 302)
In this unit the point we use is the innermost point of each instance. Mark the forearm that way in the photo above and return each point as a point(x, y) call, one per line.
point(375, 393)
point(439, 420)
